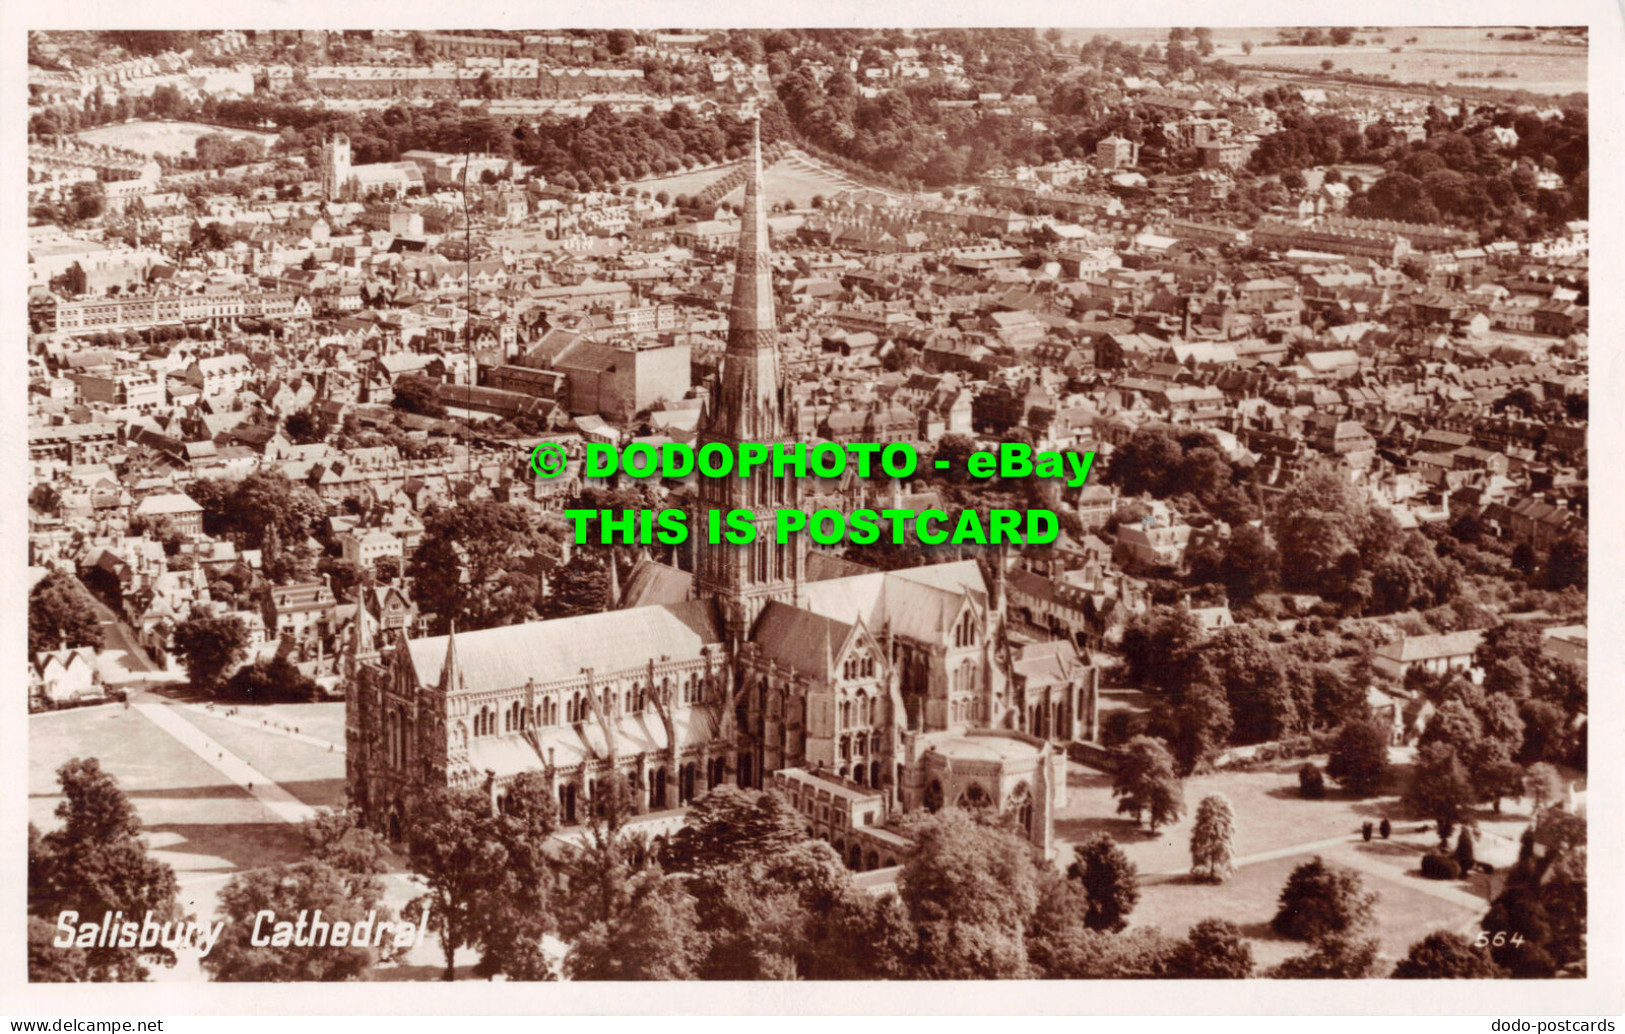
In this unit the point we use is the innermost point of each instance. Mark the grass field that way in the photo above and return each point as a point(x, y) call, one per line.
point(1276, 830)
point(193, 817)
point(175, 139)
point(1269, 814)
point(795, 178)
point(1404, 915)
point(313, 775)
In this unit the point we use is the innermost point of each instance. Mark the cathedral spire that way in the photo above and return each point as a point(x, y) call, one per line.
point(451, 673)
point(749, 403)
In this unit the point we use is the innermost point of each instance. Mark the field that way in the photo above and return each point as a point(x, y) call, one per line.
point(1438, 54)
point(175, 139)
point(195, 819)
point(310, 773)
point(1404, 915)
point(796, 178)
point(1276, 830)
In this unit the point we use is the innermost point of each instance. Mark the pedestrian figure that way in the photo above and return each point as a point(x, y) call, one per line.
point(1386, 829)
point(1365, 831)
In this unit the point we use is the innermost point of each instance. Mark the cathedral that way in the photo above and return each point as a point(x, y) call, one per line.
point(860, 694)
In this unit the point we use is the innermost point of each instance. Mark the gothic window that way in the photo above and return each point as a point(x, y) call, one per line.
point(974, 797)
point(933, 796)
point(462, 736)
point(965, 632)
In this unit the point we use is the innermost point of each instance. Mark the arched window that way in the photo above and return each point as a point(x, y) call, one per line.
point(1021, 806)
point(974, 797)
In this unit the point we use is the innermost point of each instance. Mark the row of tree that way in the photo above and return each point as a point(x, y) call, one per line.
point(743, 893)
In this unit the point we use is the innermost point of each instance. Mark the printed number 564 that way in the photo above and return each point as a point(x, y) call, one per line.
point(1499, 939)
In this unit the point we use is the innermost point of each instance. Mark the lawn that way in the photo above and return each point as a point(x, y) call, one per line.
point(796, 178)
point(310, 773)
point(1269, 814)
point(325, 721)
point(1403, 915)
point(193, 817)
point(175, 139)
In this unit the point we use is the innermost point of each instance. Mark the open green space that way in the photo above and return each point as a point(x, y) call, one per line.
point(195, 819)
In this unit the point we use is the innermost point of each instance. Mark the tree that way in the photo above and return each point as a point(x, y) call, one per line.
point(971, 891)
point(1440, 788)
point(1321, 900)
point(1537, 926)
point(1359, 758)
point(1263, 700)
point(418, 395)
point(1543, 786)
point(277, 679)
point(1250, 565)
point(95, 864)
point(1333, 958)
point(1146, 783)
point(305, 427)
point(1566, 563)
point(1201, 726)
point(209, 647)
point(730, 826)
point(1160, 649)
point(1214, 949)
point(1464, 850)
point(61, 613)
point(267, 502)
point(486, 874)
point(1318, 521)
point(1148, 462)
point(1445, 955)
point(289, 890)
point(1311, 782)
point(338, 839)
point(471, 567)
point(655, 936)
point(1110, 881)
point(580, 586)
point(1213, 849)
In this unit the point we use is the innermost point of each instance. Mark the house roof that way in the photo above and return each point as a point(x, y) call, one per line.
point(1431, 647)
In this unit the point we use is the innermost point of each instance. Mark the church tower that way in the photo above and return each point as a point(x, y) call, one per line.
point(748, 405)
point(336, 167)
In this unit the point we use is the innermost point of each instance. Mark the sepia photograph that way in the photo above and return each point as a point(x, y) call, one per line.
point(868, 504)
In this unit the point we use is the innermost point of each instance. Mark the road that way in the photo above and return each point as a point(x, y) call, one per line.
point(121, 659)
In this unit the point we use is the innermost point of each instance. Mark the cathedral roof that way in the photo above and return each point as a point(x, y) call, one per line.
point(919, 602)
point(802, 639)
point(988, 745)
point(652, 583)
point(502, 658)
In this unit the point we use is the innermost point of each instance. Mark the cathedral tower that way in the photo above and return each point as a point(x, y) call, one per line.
point(748, 405)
